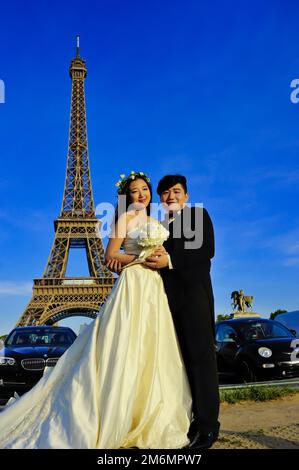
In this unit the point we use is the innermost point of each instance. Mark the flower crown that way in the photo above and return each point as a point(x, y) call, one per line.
point(122, 183)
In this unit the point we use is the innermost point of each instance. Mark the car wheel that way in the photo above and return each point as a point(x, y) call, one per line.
point(246, 372)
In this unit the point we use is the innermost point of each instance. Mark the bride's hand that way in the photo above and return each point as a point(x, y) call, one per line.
point(114, 265)
point(160, 250)
point(158, 259)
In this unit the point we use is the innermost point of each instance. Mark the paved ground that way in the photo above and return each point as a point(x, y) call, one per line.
point(260, 425)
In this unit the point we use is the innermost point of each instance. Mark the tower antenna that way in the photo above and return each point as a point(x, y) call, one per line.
point(78, 45)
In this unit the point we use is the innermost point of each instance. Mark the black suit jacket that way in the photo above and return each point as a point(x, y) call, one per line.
point(190, 266)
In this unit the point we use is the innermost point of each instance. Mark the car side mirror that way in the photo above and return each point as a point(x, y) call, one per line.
point(294, 332)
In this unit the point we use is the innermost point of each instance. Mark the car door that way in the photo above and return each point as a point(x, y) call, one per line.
point(219, 341)
point(226, 347)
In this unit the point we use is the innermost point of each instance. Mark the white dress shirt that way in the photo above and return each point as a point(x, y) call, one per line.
point(170, 265)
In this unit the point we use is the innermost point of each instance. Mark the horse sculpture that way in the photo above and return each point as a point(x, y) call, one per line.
point(241, 301)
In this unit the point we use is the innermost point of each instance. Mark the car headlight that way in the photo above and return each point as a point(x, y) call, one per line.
point(7, 361)
point(265, 352)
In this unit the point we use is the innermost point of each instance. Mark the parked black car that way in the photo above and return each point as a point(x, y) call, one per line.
point(27, 351)
point(256, 349)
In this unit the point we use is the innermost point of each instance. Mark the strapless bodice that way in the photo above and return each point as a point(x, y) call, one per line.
point(131, 246)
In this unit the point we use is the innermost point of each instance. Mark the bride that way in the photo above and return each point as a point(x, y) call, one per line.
point(122, 383)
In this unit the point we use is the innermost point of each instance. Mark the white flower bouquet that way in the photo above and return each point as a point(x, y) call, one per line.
point(149, 236)
point(152, 234)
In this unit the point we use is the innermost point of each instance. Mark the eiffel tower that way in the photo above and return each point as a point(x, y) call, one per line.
point(56, 296)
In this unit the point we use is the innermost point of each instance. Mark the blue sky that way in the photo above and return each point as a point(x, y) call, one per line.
point(200, 88)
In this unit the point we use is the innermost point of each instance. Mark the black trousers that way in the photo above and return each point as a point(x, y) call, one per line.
point(194, 324)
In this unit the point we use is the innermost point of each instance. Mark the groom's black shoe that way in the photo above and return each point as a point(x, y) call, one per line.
point(203, 440)
point(193, 430)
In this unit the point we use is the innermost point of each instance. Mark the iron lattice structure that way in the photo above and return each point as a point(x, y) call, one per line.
point(56, 296)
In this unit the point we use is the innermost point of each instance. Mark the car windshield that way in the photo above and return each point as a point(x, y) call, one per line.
point(40, 337)
point(261, 330)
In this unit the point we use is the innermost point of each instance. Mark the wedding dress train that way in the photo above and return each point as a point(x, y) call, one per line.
point(121, 384)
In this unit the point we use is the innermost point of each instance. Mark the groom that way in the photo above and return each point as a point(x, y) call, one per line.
point(185, 269)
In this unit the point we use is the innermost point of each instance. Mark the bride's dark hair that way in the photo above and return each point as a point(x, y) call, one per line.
point(124, 190)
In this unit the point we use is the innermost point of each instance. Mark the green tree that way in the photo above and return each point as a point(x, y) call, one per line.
point(221, 317)
point(277, 312)
point(2, 338)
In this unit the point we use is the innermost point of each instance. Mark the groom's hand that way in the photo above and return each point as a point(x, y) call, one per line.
point(114, 265)
point(156, 261)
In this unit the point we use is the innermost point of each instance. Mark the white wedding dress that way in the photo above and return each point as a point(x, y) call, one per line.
point(121, 384)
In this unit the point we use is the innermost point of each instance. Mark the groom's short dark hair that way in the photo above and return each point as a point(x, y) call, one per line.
point(170, 180)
